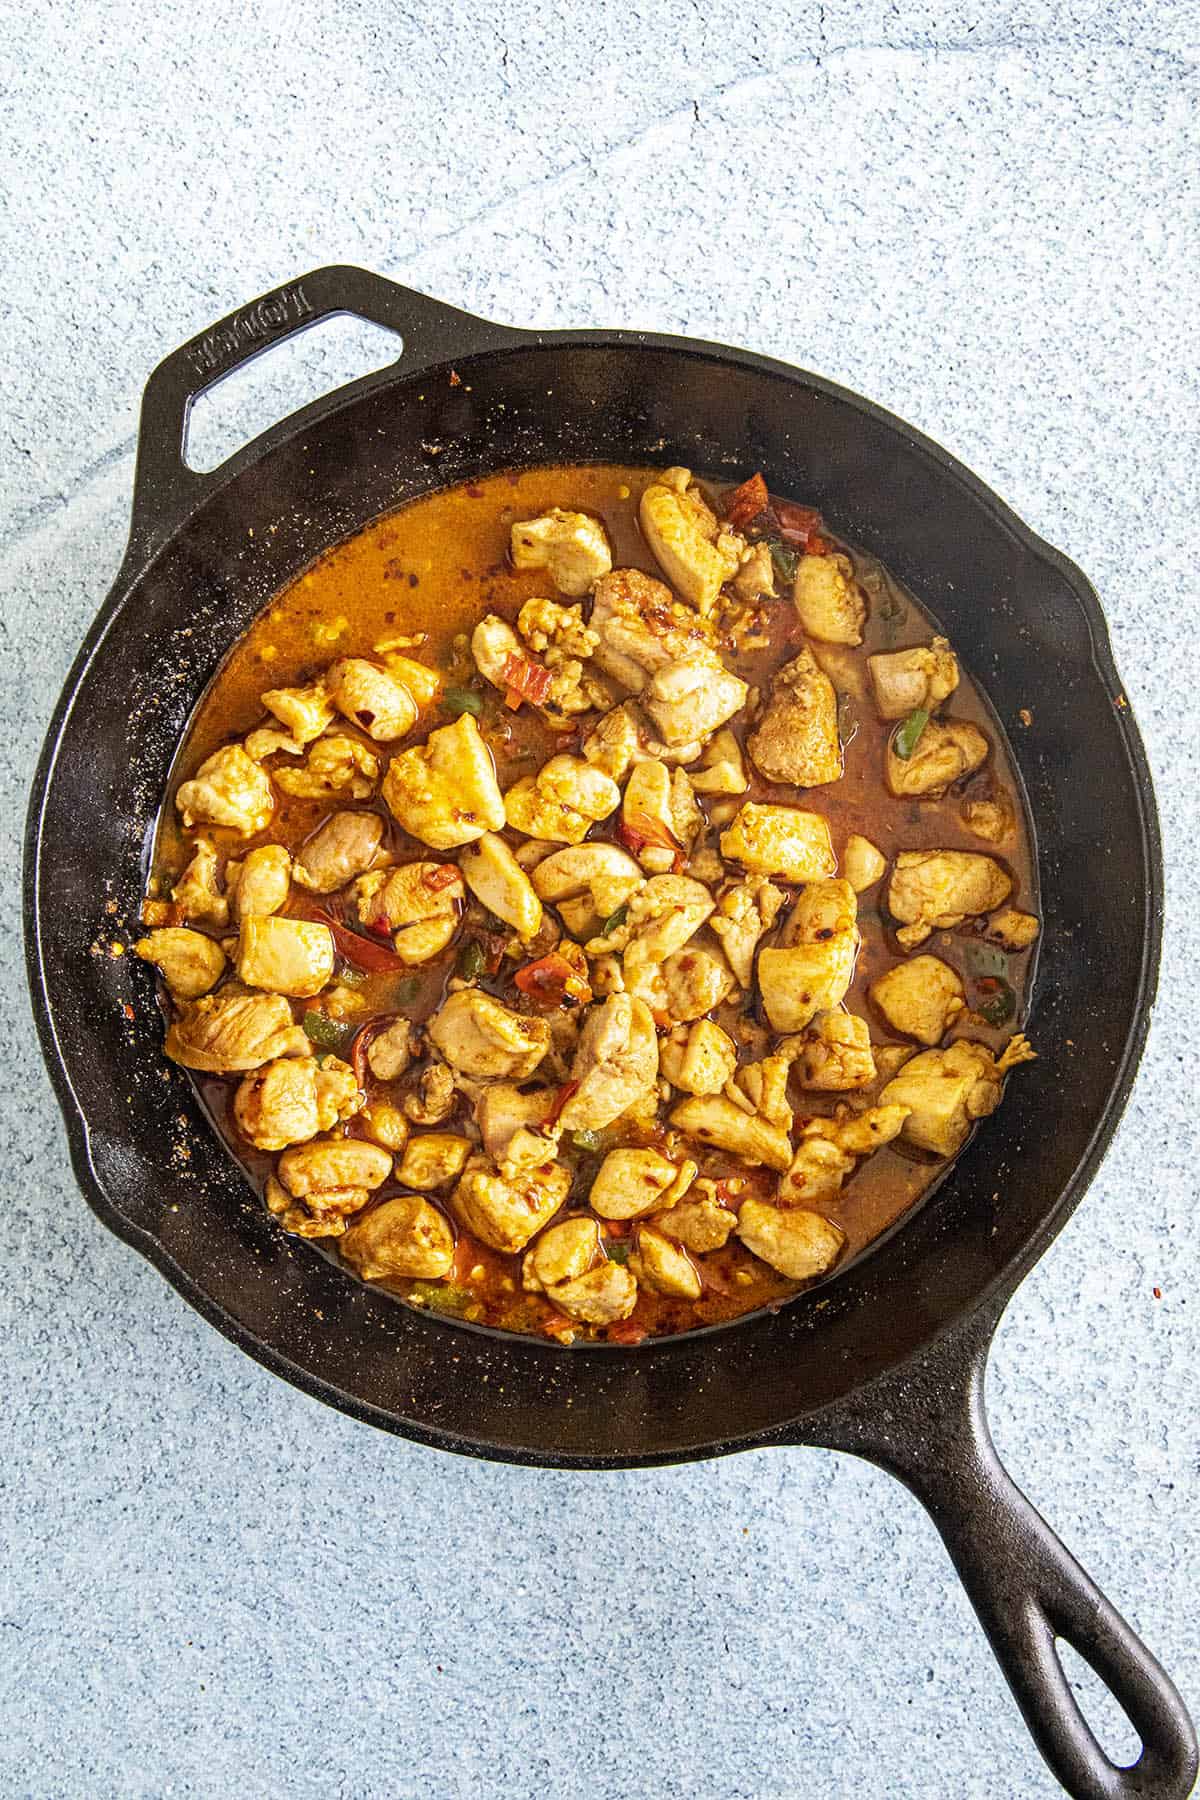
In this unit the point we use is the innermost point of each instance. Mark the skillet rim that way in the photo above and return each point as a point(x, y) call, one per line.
point(493, 339)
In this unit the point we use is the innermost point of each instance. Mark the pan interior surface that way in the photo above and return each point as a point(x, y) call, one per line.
point(1025, 626)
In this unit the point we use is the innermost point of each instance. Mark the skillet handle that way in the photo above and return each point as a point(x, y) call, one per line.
point(166, 491)
point(926, 1424)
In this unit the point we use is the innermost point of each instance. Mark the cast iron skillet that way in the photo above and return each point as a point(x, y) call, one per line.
point(886, 1361)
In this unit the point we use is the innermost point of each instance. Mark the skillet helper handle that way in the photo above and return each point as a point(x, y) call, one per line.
point(928, 1426)
point(166, 491)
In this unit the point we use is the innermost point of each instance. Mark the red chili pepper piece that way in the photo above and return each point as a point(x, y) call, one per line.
point(565, 1092)
point(444, 876)
point(551, 980)
point(746, 503)
point(375, 959)
point(525, 679)
point(626, 1332)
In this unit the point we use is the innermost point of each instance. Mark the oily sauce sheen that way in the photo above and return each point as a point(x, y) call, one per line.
point(430, 572)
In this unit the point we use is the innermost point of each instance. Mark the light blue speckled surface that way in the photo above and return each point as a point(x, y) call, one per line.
point(984, 218)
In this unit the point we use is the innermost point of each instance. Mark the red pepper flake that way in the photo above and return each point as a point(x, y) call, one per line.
point(456, 381)
point(745, 503)
point(639, 830)
point(556, 1325)
point(525, 679)
point(616, 1228)
point(444, 876)
point(626, 1332)
point(565, 1093)
point(127, 1010)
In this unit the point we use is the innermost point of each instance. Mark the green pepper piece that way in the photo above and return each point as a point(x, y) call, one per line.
point(586, 1140)
point(327, 1033)
point(985, 959)
point(458, 700)
point(784, 559)
point(999, 1006)
point(908, 735)
point(617, 1251)
point(472, 960)
point(614, 921)
point(441, 1296)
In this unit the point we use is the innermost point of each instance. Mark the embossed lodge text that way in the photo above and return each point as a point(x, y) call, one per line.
point(257, 322)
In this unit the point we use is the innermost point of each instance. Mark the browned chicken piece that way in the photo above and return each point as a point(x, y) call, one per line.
point(571, 546)
point(615, 1066)
point(779, 840)
point(420, 903)
point(229, 789)
point(1011, 929)
point(698, 1058)
point(401, 1238)
point(616, 742)
point(390, 1051)
point(562, 1252)
point(717, 1121)
point(188, 962)
point(293, 1098)
point(285, 956)
point(811, 968)
point(695, 982)
point(835, 1054)
point(587, 883)
point(796, 739)
point(371, 699)
point(660, 808)
point(945, 1091)
point(915, 680)
point(744, 914)
point(721, 768)
point(319, 1215)
point(642, 628)
point(946, 751)
point(444, 791)
point(503, 1109)
point(336, 768)
point(762, 1087)
point(699, 1221)
point(602, 1296)
point(935, 890)
point(663, 1265)
point(499, 883)
point(862, 863)
point(433, 1097)
point(562, 802)
point(506, 1213)
point(197, 892)
point(481, 1038)
point(688, 700)
point(305, 712)
point(261, 882)
point(828, 1149)
point(629, 1183)
point(320, 1185)
point(829, 602)
point(920, 998)
point(797, 1242)
point(755, 578)
point(433, 1160)
point(384, 1124)
point(993, 820)
point(226, 1033)
point(694, 552)
point(343, 847)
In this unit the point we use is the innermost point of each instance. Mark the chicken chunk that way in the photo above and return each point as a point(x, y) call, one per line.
point(722, 767)
point(811, 969)
point(494, 643)
point(946, 751)
point(694, 553)
point(323, 1214)
point(389, 1052)
point(696, 981)
point(226, 1033)
point(642, 628)
point(481, 1038)
point(498, 881)
point(422, 682)
point(798, 1243)
point(755, 578)
point(660, 920)
point(920, 998)
point(562, 1252)
point(336, 768)
point(698, 1058)
point(796, 740)
point(433, 1098)
point(744, 915)
point(506, 1213)
point(601, 1297)
point(262, 883)
point(345, 845)
point(1011, 929)
point(862, 863)
point(385, 1124)
point(571, 546)
point(285, 956)
point(994, 820)
point(588, 883)
point(716, 1121)
point(503, 1109)
point(290, 1100)
point(659, 814)
point(913, 680)
point(699, 1221)
point(829, 1149)
point(835, 1054)
point(562, 801)
point(779, 840)
point(558, 636)
point(371, 699)
point(935, 890)
point(433, 1160)
point(945, 1091)
point(188, 962)
point(445, 790)
point(615, 1064)
point(762, 1087)
point(197, 893)
point(270, 740)
point(828, 600)
point(305, 712)
point(420, 904)
point(688, 700)
point(629, 1183)
point(664, 1266)
point(229, 789)
point(402, 1238)
point(615, 743)
point(334, 1166)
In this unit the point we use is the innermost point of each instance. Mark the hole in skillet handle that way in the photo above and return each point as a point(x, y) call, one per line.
point(292, 372)
point(1107, 1719)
